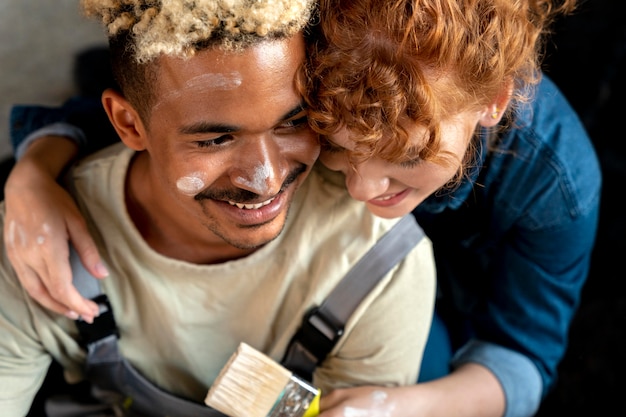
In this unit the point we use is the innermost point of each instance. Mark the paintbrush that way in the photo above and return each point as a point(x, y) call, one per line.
point(251, 384)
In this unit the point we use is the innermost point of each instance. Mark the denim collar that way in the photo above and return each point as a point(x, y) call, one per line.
point(453, 198)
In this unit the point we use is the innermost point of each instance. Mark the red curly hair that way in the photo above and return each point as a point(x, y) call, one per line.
point(378, 62)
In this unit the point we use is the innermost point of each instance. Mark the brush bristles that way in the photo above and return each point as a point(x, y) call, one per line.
point(248, 385)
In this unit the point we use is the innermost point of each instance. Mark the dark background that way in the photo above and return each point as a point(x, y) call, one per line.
point(586, 57)
point(587, 60)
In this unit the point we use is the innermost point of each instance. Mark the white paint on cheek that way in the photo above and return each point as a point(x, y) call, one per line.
point(377, 409)
point(190, 184)
point(259, 180)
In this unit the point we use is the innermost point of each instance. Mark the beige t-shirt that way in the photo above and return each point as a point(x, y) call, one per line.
point(180, 322)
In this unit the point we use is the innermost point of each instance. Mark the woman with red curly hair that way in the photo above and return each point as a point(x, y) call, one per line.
point(439, 108)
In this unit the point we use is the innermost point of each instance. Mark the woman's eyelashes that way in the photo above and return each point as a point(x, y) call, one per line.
point(330, 147)
point(297, 123)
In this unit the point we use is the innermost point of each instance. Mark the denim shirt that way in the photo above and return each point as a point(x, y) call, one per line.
point(78, 118)
point(513, 245)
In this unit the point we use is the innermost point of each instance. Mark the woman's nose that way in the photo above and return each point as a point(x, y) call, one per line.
point(366, 181)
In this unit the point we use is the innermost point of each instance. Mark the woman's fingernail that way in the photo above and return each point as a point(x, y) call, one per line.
point(102, 270)
point(72, 315)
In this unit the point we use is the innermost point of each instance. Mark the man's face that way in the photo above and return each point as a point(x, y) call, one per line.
point(229, 141)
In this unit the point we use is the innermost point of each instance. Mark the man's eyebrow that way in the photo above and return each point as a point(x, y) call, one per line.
point(207, 127)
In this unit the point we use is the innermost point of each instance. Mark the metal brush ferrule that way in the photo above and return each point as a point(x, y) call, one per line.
point(295, 399)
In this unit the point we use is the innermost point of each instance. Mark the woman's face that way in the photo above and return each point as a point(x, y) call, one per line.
point(395, 189)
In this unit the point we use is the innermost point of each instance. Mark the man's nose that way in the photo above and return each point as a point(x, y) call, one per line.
point(366, 180)
point(260, 168)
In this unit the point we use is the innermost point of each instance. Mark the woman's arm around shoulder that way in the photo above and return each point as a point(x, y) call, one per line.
point(40, 219)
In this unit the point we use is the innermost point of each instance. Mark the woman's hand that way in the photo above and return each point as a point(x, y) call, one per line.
point(469, 391)
point(40, 219)
point(369, 401)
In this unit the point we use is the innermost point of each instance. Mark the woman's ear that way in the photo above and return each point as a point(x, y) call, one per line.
point(125, 120)
point(493, 113)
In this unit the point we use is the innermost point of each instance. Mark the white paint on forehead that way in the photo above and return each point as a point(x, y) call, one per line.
point(227, 81)
point(191, 184)
point(204, 83)
point(258, 182)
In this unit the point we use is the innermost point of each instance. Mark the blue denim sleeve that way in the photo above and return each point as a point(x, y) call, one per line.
point(518, 375)
point(547, 199)
point(527, 234)
point(21, 142)
point(81, 119)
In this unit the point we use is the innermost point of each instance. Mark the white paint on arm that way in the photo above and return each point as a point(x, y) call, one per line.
point(378, 407)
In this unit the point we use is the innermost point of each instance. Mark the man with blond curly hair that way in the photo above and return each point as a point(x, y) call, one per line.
point(215, 223)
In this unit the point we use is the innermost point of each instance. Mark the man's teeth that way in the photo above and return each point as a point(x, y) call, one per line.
point(251, 206)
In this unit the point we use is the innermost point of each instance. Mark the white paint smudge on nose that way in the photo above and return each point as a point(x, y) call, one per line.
point(259, 182)
point(190, 184)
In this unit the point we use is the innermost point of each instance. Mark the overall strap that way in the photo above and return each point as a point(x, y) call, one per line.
point(323, 325)
point(320, 330)
point(115, 382)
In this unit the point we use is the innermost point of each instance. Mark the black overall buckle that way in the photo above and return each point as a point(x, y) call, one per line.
point(313, 341)
point(104, 325)
point(320, 332)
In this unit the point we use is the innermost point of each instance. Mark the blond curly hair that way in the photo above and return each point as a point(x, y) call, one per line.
point(140, 31)
point(180, 27)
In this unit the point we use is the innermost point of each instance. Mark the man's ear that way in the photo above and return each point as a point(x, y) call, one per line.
point(125, 120)
point(493, 113)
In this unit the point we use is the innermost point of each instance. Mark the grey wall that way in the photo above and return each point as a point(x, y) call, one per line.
point(38, 39)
